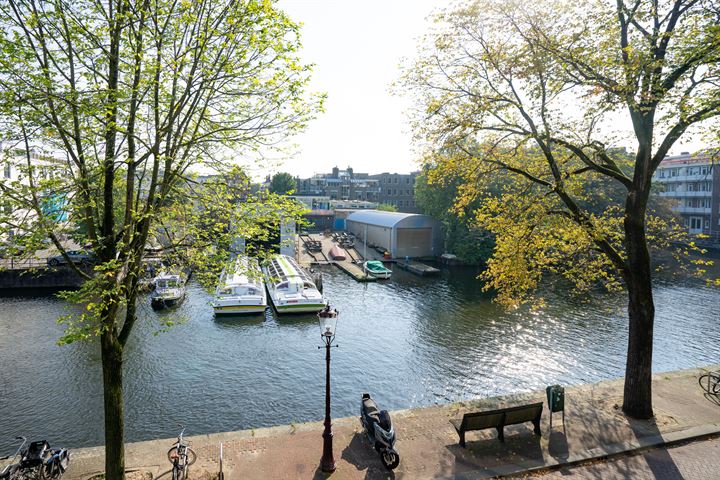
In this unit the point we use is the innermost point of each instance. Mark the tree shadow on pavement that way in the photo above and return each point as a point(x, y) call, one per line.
point(659, 460)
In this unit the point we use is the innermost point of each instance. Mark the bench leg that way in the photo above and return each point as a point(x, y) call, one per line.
point(462, 439)
point(538, 432)
point(501, 433)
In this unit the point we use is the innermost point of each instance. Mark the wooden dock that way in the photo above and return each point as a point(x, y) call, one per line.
point(352, 266)
point(417, 267)
point(355, 271)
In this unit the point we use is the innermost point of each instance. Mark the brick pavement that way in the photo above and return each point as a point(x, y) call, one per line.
point(693, 461)
point(428, 445)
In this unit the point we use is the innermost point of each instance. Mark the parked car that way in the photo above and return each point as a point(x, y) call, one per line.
point(80, 257)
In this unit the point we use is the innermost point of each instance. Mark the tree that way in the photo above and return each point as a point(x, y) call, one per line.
point(282, 183)
point(463, 237)
point(137, 95)
point(386, 207)
point(537, 94)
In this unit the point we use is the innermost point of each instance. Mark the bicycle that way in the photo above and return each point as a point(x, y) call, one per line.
point(710, 382)
point(181, 456)
point(37, 462)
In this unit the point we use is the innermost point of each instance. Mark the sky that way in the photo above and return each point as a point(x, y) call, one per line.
point(357, 48)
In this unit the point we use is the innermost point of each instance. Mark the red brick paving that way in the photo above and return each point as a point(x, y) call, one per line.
point(428, 444)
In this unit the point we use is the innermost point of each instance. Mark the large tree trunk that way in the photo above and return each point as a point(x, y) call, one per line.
point(113, 397)
point(637, 397)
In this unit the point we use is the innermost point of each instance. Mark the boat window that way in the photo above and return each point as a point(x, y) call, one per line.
point(308, 285)
point(282, 285)
point(226, 291)
point(161, 284)
point(252, 291)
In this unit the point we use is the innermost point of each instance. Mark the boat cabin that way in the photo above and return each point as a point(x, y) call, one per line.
point(168, 281)
point(287, 276)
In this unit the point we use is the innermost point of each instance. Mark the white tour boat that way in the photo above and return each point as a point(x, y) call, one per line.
point(291, 289)
point(241, 290)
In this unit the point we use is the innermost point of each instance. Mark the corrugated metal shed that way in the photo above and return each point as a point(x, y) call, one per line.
point(402, 234)
point(380, 218)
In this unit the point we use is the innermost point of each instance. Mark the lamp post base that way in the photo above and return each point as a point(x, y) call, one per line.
point(327, 462)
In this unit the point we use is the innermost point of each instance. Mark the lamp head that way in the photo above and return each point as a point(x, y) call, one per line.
point(327, 318)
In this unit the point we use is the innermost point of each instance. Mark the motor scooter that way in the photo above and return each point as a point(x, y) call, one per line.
point(381, 434)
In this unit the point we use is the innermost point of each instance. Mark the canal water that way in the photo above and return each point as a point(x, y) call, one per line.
point(409, 341)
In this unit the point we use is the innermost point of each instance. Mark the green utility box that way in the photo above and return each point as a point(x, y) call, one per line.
point(556, 398)
point(556, 401)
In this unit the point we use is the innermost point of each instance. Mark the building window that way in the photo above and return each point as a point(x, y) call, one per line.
point(8, 170)
point(407, 180)
point(707, 223)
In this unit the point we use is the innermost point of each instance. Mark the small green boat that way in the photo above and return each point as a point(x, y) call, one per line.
point(377, 269)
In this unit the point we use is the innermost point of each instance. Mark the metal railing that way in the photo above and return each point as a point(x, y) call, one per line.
point(19, 263)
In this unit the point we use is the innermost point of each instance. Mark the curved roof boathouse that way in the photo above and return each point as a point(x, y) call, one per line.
point(401, 234)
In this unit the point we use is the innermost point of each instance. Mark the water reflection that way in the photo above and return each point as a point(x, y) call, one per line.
point(410, 341)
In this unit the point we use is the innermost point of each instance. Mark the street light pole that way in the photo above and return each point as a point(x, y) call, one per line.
point(327, 463)
point(328, 322)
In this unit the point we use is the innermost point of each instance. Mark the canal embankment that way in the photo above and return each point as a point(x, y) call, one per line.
point(410, 341)
point(594, 428)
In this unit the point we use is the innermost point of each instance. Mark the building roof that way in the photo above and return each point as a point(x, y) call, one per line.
point(381, 218)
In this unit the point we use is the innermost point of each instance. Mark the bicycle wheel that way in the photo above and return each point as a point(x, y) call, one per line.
point(191, 456)
point(710, 383)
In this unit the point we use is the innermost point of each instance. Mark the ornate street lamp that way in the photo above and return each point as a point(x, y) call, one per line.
point(327, 318)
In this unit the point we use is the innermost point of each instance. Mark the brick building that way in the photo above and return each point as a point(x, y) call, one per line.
point(395, 189)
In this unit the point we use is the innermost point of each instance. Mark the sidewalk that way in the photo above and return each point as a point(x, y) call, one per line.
point(693, 461)
point(428, 445)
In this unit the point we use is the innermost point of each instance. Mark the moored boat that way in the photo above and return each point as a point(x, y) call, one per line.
point(336, 253)
point(377, 269)
point(169, 291)
point(241, 289)
point(291, 289)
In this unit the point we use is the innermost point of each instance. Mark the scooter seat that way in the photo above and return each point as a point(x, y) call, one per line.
point(371, 410)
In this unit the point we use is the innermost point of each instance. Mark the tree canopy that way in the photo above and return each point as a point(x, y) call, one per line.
point(437, 196)
point(282, 183)
point(386, 207)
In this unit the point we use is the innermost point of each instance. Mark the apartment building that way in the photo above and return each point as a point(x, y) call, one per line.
point(398, 189)
point(692, 182)
point(340, 185)
point(14, 170)
point(395, 189)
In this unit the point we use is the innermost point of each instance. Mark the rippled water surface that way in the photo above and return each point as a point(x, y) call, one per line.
point(410, 341)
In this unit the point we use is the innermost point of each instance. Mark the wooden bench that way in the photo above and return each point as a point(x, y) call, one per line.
point(497, 419)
